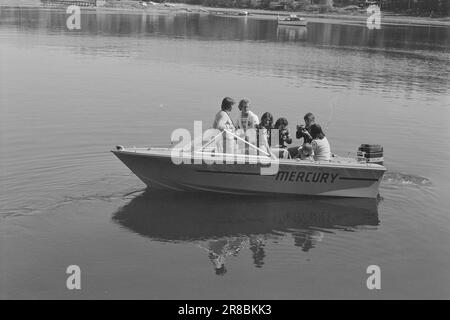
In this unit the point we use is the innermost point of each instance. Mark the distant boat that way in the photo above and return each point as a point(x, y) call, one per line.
point(292, 20)
point(230, 13)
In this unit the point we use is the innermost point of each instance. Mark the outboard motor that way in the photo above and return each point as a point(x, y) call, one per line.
point(371, 153)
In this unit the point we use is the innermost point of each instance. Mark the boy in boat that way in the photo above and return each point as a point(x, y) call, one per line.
point(284, 138)
point(284, 135)
point(246, 123)
point(303, 131)
point(305, 152)
point(246, 119)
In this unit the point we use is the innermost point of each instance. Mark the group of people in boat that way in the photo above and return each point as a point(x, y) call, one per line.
point(315, 145)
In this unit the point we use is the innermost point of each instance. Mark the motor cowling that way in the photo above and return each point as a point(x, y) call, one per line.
point(370, 153)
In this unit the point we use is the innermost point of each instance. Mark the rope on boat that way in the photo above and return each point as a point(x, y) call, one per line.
point(239, 138)
point(235, 136)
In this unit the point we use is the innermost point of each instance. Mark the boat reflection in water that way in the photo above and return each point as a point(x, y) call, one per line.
point(287, 33)
point(224, 225)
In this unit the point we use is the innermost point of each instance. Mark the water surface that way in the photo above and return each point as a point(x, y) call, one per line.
point(68, 97)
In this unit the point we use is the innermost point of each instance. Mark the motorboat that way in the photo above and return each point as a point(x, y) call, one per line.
point(292, 20)
point(214, 170)
point(230, 13)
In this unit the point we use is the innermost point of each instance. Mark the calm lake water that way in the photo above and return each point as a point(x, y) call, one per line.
point(68, 97)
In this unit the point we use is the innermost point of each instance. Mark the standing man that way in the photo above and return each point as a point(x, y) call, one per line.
point(222, 122)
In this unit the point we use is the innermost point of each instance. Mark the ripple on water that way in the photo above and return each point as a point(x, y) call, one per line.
point(402, 179)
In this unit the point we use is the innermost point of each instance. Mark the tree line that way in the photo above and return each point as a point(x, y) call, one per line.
point(417, 7)
point(432, 8)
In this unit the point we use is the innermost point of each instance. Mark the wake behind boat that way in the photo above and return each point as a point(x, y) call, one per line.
point(242, 173)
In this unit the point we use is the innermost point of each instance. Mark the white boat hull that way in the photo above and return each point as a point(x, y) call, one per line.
point(156, 169)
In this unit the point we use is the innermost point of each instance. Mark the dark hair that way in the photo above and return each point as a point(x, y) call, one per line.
point(227, 103)
point(316, 132)
point(309, 116)
point(267, 116)
point(280, 122)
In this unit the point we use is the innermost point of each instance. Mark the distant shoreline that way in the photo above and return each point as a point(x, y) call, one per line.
point(387, 18)
point(127, 6)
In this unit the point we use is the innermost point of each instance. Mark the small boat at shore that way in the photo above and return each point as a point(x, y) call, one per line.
point(230, 13)
point(292, 20)
point(198, 170)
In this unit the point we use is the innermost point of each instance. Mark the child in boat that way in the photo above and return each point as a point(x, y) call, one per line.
point(284, 138)
point(246, 123)
point(284, 135)
point(305, 152)
point(320, 144)
point(263, 134)
point(265, 127)
point(246, 119)
point(266, 121)
point(304, 131)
